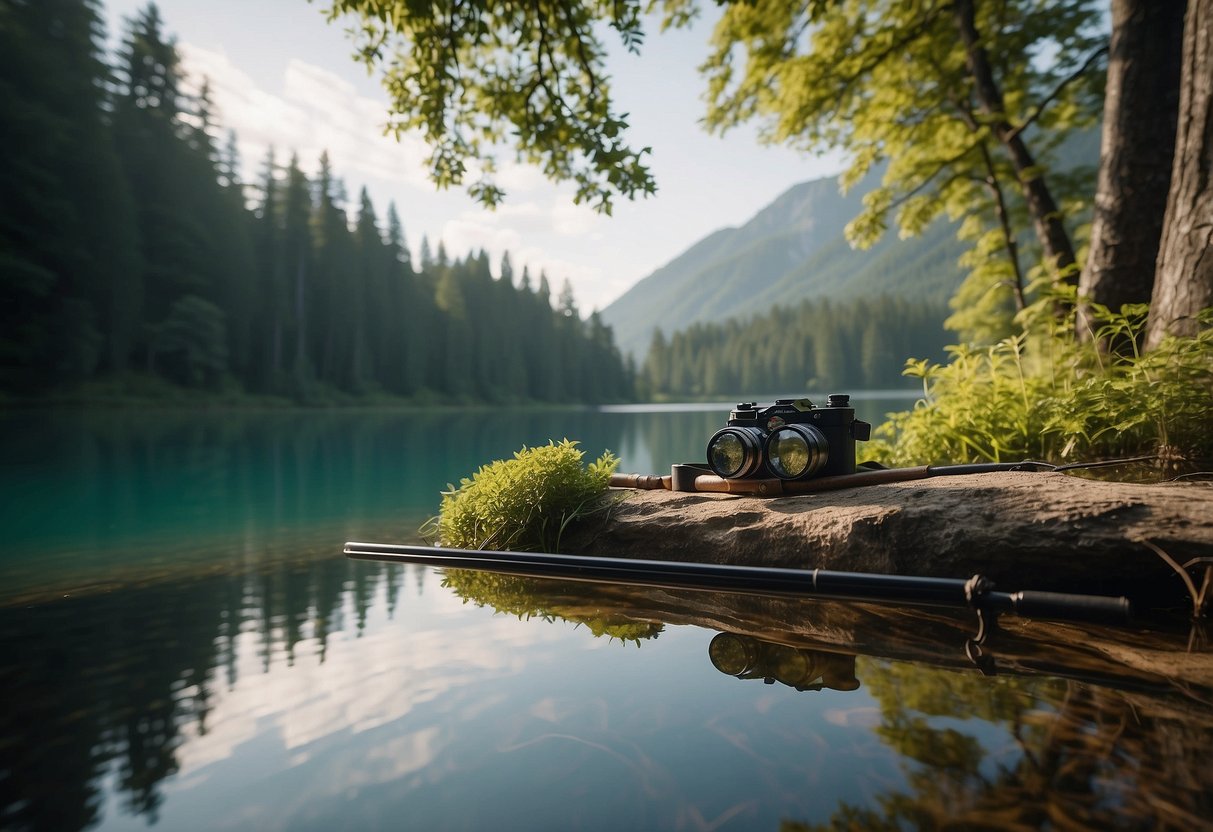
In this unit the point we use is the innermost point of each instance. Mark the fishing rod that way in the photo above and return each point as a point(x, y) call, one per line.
point(691, 477)
point(976, 592)
point(700, 478)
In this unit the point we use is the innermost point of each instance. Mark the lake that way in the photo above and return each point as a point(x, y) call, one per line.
point(183, 645)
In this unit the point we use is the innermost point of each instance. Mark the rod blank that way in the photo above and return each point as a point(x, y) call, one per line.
point(764, 580)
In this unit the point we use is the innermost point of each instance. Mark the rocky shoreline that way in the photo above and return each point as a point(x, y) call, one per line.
point(1044, 531)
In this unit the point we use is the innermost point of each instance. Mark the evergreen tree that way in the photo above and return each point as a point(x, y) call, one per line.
point(414, 312)
point(70, 290)
point(367, 290)
point(297, 251)
point(271, 293)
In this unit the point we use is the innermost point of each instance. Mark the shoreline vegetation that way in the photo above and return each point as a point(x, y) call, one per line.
point(1041, 395)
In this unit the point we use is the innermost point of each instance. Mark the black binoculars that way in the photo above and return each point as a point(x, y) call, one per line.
point(790, 439)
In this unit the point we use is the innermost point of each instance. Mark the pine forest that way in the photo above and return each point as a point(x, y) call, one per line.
point(854, 345)
point(130, 249)
point(134, 259)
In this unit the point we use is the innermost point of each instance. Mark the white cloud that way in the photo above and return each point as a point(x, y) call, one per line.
point(315, 111)
point(574, 220)
point(520, 178)
point(513, 229)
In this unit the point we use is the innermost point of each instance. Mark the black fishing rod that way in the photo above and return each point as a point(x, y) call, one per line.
point(976, 592)
point(693, 477)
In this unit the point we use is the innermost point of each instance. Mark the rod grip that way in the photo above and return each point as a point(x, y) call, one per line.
point(753, 488)
point(1064, 605)
point(646, 482)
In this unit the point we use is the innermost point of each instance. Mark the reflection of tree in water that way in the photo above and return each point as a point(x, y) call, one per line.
point(526, 598)
point(1080, 757)
point(107, 684)
point(98, 684)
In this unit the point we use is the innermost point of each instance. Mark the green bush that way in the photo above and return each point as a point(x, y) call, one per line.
point(1050, 397)
point(523, 503)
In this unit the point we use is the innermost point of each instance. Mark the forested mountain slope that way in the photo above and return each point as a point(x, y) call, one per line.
point(792, 250)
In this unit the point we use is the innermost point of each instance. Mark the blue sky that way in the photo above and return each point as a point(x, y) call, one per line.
point(282, 76)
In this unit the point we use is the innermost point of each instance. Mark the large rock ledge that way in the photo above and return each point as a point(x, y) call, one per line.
point(1023, 530)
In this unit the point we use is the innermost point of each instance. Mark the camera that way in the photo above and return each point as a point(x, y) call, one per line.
point(790, 439)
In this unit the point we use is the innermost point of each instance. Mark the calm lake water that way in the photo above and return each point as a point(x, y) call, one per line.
point(183, 645)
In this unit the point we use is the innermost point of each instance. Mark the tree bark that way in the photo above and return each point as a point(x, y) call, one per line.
point(1136, 157)
point(1046, 216)
point(1183, 282)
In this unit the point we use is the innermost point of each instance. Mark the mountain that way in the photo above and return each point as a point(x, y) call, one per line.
point(791, 250)
point(794, 249)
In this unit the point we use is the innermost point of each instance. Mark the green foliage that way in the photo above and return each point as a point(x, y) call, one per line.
point(194, 338)
point(1046, 396)
point(529, 598)
point(523, 503)
point(467, 75)
point(949, 117)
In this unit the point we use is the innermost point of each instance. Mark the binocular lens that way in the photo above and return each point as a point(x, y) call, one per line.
point(795, 451)
point(732, 654)
point(735, 452)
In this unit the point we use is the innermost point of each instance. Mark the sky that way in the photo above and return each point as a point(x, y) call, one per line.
point(282, 76)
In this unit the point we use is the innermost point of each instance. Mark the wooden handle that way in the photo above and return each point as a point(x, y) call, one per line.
point(646, 482)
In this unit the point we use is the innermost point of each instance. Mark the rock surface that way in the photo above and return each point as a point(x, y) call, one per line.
point(1042, 531)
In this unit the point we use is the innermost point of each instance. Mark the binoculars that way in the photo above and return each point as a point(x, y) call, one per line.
point(789, 439)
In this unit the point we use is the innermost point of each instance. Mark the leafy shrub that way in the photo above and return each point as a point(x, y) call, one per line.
point(522, 503)
point(1050, 397)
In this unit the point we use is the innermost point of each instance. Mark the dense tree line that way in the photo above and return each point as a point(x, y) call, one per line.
point(128, 242)
point(813, 346)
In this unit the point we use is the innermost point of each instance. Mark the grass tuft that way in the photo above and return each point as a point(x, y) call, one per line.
point(524, 503)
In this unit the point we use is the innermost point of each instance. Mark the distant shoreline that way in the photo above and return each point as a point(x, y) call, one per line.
point(144, 393)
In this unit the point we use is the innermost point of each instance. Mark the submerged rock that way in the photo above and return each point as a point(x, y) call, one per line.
point(1043, 531)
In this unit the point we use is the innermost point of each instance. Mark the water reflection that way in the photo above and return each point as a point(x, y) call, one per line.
point(1120, 744)
point(1070, 756)
point(748, 658)
point(305, 694)
point(97, 495)
point(109, 683)
point(180, 643)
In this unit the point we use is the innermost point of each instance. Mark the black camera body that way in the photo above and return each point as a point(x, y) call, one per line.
point(789, 439)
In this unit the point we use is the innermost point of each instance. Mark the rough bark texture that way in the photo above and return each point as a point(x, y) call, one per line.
point(1184, 277)
point(1023, 530)
point(1136, 155)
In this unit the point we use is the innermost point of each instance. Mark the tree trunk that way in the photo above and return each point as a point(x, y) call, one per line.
point(1046, 216)
point(1183, 282)
point(301, 316)
point(1138, 147)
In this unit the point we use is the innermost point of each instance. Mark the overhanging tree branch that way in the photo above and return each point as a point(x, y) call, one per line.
point(1048, 99)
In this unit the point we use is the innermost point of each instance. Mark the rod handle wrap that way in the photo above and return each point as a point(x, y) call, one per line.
point(1035, 604)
